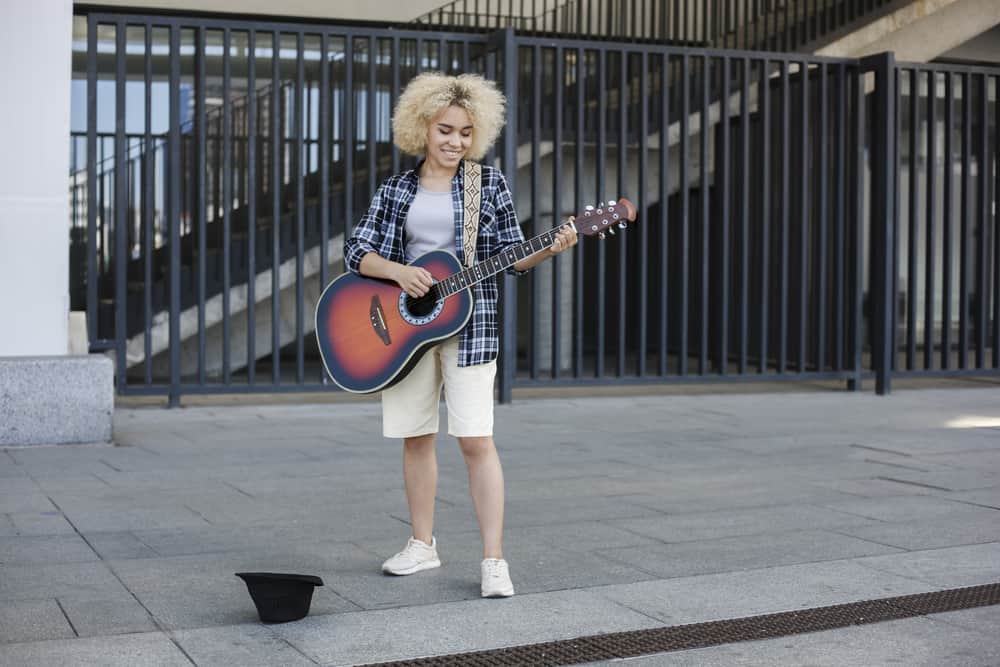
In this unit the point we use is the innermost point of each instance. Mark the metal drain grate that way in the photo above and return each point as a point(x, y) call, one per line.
point(713, 633)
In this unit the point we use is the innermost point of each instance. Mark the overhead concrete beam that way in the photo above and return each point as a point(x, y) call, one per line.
point(920, 31)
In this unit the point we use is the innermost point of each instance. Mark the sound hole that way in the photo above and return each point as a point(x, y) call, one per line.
point(422, 306)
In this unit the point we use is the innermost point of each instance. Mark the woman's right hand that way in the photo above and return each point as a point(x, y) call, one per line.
point(414, 280)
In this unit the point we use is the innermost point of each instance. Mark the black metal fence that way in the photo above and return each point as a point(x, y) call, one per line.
point(223, 161)
point(946, 234)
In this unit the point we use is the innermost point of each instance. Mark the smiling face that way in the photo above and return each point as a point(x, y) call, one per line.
point(449, 135)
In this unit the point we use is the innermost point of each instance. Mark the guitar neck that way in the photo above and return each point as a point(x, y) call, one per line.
point(499, 262)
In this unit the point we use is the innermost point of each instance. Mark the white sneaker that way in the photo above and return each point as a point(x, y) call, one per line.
point(496, 579)
point(415, 557)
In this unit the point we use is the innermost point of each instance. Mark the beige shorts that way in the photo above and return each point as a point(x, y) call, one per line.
point(411, 406)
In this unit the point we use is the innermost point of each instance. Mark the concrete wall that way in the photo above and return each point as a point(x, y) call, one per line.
point(35, 42)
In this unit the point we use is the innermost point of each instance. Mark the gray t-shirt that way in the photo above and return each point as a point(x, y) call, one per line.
point(430, 224)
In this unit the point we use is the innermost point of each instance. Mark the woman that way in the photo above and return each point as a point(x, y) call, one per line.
point(446, 120)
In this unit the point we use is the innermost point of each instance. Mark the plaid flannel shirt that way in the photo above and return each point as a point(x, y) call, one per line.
point(381, 231)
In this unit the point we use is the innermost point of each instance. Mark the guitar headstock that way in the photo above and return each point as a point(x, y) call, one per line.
point(604, 218)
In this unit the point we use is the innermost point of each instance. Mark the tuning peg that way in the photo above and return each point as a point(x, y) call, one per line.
point(588, 207)
point(601, 236)
point(622, 225)
point(611, 202)
point(611, 230)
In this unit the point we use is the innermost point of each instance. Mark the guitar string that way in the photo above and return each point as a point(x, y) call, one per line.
point(432, 294)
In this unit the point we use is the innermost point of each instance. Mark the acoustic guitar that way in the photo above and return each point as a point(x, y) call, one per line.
point(371, 333)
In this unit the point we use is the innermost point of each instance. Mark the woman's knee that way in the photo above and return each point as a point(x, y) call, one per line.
point(476, 447)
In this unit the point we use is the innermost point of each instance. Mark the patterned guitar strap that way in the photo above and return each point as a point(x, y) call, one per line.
point(470, 222)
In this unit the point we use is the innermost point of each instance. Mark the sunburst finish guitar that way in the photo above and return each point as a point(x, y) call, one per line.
point(371, 333)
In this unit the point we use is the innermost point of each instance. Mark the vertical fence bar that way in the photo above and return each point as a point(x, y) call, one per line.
point(963, 262)
point(983, 262)
point(227, 201)
point(394, 95)
point(883, 216)
point(664, 214)
point(252, 190)
point(723, 324)
point(685, 213)
point(996, 223)
point(805, 216)
point(536, 205)
point(578, 195)
point(946, 224)
point(348, 131)
point(301, 167)
point(200, 167)
point(744, 209)
point(508, 50)
point(370, 96)
point(148, 205)
point(91, 254)
point(786, 104)
point(765, 210)
point(557, 305)
point(324, 163)
point(602, 135)
point(121, 185)
point(174, 214)
point(911, 254)
point(643, 208)
point(277, 154)
point(857, 173)
point(931, 216)
point(623, 105)
point(842, 198)
point(824, 185)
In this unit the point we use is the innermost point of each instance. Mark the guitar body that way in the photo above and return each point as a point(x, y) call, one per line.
point(370, 334)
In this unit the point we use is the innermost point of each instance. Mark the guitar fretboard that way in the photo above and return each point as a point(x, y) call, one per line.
point(466, 278)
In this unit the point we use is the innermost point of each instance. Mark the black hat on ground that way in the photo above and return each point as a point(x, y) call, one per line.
point(280, 597)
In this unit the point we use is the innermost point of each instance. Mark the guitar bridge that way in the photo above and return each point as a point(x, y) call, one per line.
point(377, 316)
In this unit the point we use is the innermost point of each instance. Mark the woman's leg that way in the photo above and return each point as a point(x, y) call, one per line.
point(420, 475)
point(486, 487)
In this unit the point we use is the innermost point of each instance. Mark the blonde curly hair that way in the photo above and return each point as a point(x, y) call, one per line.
point(428, 93)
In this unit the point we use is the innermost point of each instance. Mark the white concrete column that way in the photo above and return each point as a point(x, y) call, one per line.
point(35, 67)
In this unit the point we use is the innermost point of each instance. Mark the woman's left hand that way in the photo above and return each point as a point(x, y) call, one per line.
point(566, 238)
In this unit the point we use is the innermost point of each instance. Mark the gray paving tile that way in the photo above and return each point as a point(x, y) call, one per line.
point(201, 591)
point(952, 567)
point(120, 545)
point(937, 532)
point(32, 620)
point(579, 535)
point(990, 497)
point(24, 582)
point(920, 642)
point(30, 501)
point(746, 552)
point(762, 591)
point(907, 508)
point(138, 650)
point(981, 619)
point(250, 645)
point(108, 615)
point(705, 498)
point(133, 519)
point(728, 523)
point(21, 550)
point(410, 632)
point(36, 523)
